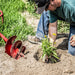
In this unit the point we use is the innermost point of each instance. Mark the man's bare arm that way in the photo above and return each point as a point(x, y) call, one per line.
point(53, 30)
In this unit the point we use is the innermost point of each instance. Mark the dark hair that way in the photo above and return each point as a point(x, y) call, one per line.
point(41, 3)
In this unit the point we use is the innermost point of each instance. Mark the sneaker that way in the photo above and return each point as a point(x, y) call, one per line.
point(34, 39)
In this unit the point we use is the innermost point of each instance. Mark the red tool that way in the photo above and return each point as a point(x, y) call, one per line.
point(15, 50)
point(1, 15)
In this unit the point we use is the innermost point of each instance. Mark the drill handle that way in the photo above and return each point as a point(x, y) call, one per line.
point(3, 37)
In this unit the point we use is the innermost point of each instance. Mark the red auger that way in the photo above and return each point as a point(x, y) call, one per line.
point(1, 15)
point(15, 50)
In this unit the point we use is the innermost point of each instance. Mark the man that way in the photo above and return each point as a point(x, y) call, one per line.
point(59, 10)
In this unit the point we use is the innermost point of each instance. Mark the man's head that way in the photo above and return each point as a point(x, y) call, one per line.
point(47, 5)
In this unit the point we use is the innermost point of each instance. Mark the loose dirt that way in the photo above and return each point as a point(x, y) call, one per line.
point(30, 66)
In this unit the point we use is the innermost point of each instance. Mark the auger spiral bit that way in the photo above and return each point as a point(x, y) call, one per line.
point(15, 50)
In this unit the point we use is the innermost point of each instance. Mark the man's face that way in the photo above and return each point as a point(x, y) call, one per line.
point(53, 5)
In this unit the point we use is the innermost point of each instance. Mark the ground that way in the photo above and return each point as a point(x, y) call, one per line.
point(30, 66)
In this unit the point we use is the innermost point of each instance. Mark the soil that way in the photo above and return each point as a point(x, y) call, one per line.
point(29, 65)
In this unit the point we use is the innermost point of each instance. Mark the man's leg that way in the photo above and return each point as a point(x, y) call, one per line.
point(71, 49)
point(42, 28)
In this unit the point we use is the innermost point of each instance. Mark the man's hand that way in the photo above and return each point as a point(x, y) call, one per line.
point(52, 32)
point(51, 40)
point(72, 40)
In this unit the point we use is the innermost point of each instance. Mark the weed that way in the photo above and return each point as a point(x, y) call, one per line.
point(49, 50)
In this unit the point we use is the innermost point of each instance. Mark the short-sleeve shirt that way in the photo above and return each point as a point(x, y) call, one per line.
point(65, 12)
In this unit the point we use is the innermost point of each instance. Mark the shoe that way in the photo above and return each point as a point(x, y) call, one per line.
point(33, 39)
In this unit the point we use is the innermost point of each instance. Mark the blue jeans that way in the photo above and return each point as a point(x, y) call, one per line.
point(42, 30)
point(71, 49)
point(43, 24)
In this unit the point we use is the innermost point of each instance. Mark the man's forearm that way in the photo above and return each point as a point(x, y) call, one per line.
point(53, 30)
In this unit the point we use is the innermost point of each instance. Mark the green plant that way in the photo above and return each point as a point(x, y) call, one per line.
point(49, 50)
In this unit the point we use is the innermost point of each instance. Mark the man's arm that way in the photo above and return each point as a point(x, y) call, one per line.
point(53, 31)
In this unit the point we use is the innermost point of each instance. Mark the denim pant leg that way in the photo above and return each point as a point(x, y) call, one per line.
point(43, 24)
point(71, 49)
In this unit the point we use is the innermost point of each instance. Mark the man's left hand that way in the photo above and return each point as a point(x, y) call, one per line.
point(72, 40)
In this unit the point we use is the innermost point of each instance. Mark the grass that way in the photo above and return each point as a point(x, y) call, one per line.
point(31, 8)
point(63, 27)
point(14, 23)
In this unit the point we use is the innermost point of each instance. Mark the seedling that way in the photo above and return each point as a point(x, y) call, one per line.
point(49, 52)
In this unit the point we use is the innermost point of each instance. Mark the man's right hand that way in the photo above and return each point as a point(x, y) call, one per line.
point(51, 40)
point(52, 32)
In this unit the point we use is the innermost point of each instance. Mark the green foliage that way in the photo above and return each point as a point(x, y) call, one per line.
point(31, 8)
point(63, 27)
point(49, 50)
point(14, 23)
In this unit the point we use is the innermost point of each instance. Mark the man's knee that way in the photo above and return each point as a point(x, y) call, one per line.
point(71, 50)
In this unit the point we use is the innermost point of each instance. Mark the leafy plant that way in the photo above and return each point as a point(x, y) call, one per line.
point(49, 50)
